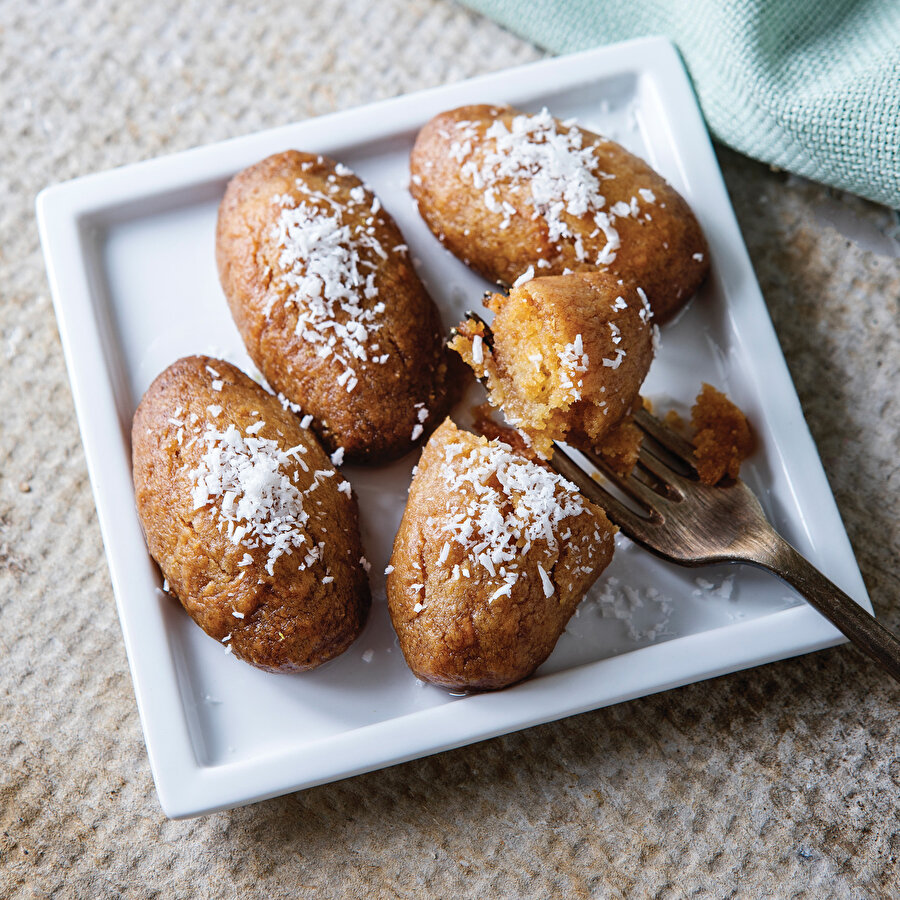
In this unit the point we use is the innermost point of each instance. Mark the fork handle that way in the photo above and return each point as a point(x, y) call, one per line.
point(862, 628)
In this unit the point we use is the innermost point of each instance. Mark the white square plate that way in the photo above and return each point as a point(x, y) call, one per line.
point(130, 260)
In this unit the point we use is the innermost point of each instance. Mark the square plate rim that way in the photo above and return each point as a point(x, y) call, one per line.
point(186, 787)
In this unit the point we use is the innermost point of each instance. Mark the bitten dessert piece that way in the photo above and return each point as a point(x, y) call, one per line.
point(722, 437)
point(511, 193)
point(565, 358)
point(493, 555)
point(253, 528)
point(323, 292)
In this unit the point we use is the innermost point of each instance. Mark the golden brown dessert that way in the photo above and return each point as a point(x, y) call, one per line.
point(511, 193)
point(621, 447)
point(493, 555)
point(722, 437)
point(253, 528)
point(565, 358)
point(320, 284)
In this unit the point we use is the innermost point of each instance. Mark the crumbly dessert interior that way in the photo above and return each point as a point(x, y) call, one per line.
point(621, 447)
point(722, 436)
point(565, 357)
point(534, 387)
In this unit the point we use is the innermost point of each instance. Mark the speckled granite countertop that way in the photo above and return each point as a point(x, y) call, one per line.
point(777, 782)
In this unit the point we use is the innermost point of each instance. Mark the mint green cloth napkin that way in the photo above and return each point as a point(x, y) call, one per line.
point(812, 86)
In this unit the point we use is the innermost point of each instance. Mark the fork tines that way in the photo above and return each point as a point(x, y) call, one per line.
point(653, 484)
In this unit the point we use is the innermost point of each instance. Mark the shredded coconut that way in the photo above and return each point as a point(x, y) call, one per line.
point(646, 314)
point(260, 506)
point(515, 504)
point(546, 582)
point(617, 361)
point(290, 405)
point(573, 361)
point(477, 349)
point(622, 601)
point(561, 175)
point(722, 591)
point(527, 275)
point(326, 266)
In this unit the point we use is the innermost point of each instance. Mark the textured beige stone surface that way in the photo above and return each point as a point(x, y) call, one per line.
point(777, 782)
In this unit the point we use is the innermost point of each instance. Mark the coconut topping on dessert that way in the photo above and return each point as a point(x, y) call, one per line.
point(254, 480)
point(328, 269)
point(512, 503)
point(558, 172)
point(573, 362)
point(259, 504)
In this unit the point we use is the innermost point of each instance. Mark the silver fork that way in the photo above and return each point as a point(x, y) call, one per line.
point(692, 524)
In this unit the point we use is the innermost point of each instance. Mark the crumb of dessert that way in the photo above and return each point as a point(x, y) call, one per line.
point(674, 421)
point(621, 447)
point(722, 437)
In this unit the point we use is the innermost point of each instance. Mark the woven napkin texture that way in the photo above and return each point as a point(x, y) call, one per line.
point(811, 86)
point(781, 781)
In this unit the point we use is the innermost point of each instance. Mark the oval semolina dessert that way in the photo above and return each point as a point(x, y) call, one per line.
point(251, 525)
point(511, 193)
point(493, 555)
point(322, 289)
